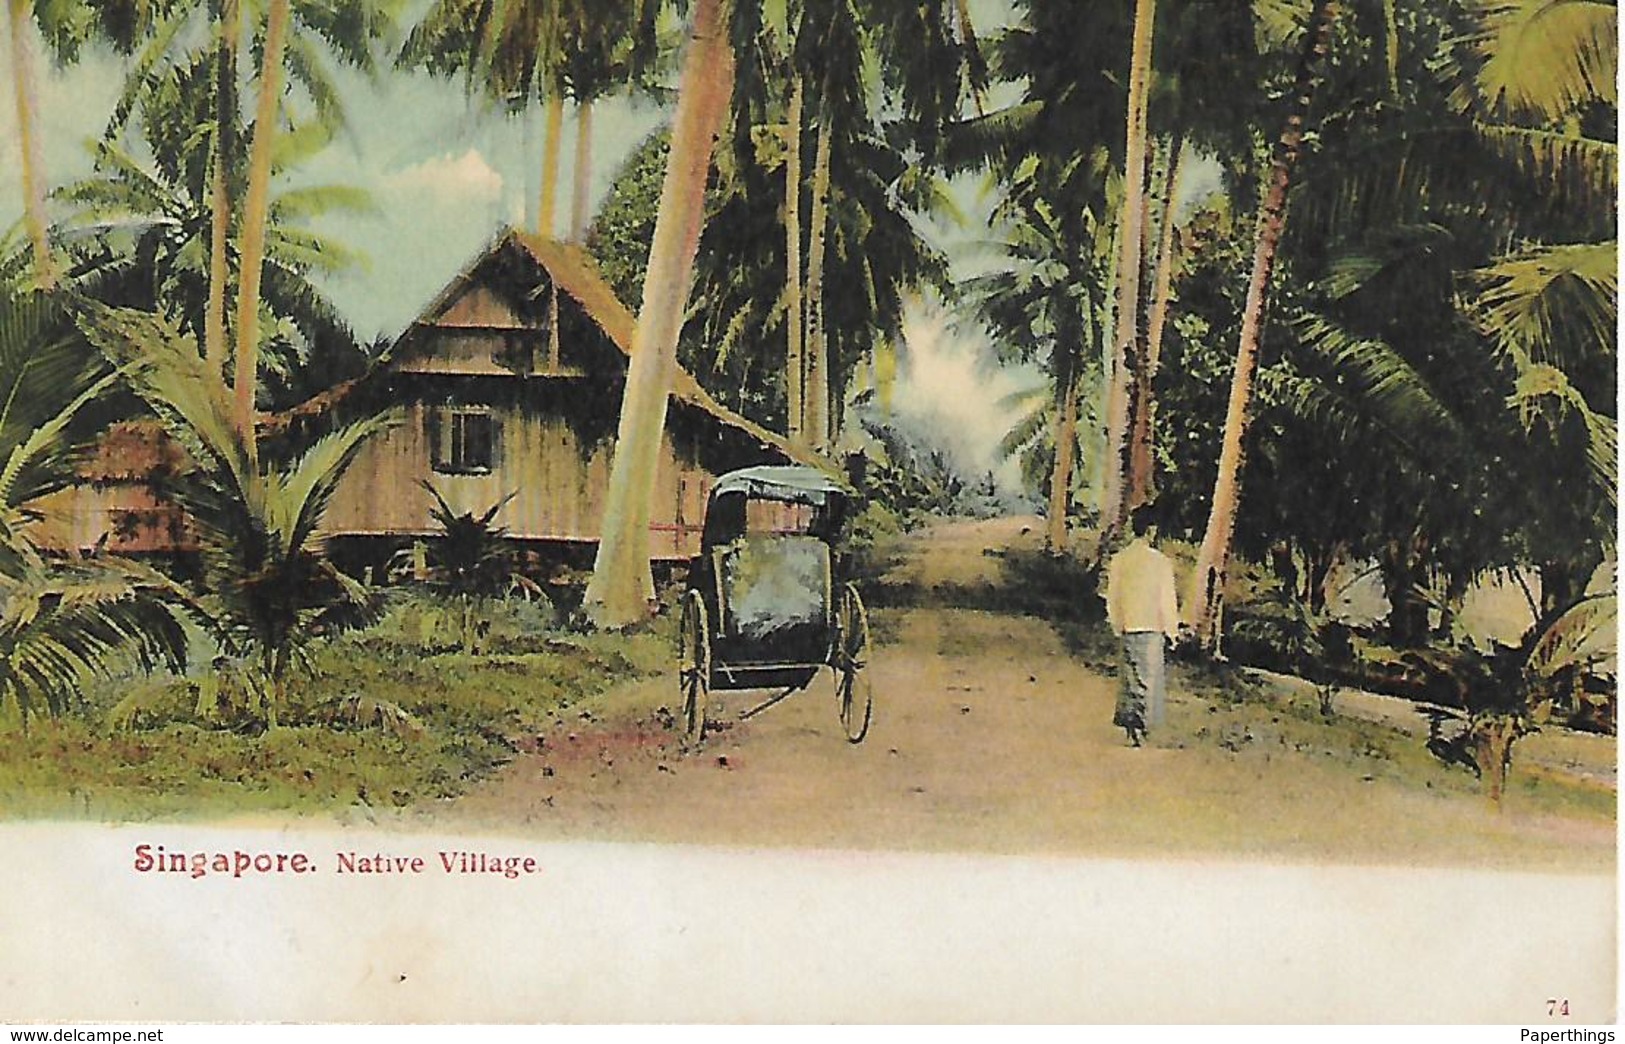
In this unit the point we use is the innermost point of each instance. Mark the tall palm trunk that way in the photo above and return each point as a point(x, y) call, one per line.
point(214, 319)
point(1142, 436)
point(1066, 439)
point(817, 387)
point(550, 165)
point(25, 89)
point(1114, 488)
point(621, 584)
point(1213, 560)
point(579, 210)
point(256, 207)
point(795, 362)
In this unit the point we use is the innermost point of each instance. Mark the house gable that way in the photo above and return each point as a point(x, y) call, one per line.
point(506, 316)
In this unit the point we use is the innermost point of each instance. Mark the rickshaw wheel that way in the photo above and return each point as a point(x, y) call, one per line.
point(693, 666)
point(852, 691)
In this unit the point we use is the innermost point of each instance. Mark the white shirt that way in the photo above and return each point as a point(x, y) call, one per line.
point(1140, 590)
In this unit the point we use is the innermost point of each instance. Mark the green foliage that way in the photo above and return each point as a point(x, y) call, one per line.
point(470, 560)
point(470, 557)
point(427, 622)
point(1392, 424)
point(141, 227)
point(383, 721)
point(738, 320)
point(1276, 630)
point(60, 622)
point(513, 53)
point(908, 475)
point(266, 593)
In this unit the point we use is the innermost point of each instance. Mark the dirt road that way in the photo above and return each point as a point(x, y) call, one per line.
point(989, 737)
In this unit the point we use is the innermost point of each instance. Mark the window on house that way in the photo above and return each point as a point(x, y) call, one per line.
point(464, 441)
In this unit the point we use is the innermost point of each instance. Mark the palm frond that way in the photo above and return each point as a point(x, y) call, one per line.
point(167, 371)
point(1584, 633)
point(1395, 392)
point(298, 497)
point(1587, 167)
point(1544, 390)
point(1552, 302)
point(1546, 58)
point(60, 626)
point(22, 478)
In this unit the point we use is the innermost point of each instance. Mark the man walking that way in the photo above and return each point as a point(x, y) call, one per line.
point(1142, 607)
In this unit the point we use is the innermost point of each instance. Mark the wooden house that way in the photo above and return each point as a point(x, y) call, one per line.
point(508, 388)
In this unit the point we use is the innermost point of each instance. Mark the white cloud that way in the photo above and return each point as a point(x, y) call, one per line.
point(467, 178)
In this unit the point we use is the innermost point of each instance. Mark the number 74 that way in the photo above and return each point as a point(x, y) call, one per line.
point(1555, 1007)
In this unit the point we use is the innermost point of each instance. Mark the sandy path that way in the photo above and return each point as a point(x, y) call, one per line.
point(987, 737)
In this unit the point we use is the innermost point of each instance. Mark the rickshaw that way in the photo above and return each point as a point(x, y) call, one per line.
point(767, 605)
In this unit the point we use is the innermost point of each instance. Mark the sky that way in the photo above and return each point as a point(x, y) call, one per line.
point(445, 177)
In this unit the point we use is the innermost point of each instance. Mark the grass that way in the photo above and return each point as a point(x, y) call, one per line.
point(439, 721)
point(1259, 722)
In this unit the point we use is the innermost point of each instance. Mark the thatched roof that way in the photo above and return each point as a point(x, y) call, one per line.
point(131, 451)
point(575, 272)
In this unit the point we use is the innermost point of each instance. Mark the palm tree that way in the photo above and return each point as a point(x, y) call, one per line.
point(876, 80)
point(267, 594)
point(1414, 216)
point(1547, 78)
point(621, 584)
point(61, 622)
point(512, 54)
point(1142, 411)
point(1214, 556)
point(350, 34)
point(795, 359)
point(470, 557)
point(24, 90)
point(65, 26)
point(144, 222)
point(170, 50)
point(1052, 151)
point(1051, 301)
point(607, 48)
point(1126, 368)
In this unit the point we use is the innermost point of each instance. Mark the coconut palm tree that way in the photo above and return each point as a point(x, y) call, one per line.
point(1051, 302)
point(514, 55)
point(291, 27)
point(24, 90)
point(607, 48)
point(875, 81)
point(621, 585)
point(1214, 556)
point(144, 222)
point(1114, 491)
point(66, 26)
point(1407, 237)
point(1544, 95)
point(267, 593)
point(61, 621)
